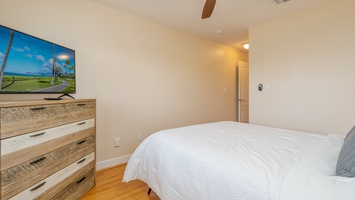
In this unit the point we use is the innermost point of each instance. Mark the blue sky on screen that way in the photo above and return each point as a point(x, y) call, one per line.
point(32, 56)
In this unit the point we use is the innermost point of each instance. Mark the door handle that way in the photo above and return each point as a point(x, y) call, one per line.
point(240, 99)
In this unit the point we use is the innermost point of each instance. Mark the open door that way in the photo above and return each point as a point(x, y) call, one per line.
point(243, 92)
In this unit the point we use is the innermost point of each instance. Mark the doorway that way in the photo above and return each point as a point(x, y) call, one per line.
point(243, 92)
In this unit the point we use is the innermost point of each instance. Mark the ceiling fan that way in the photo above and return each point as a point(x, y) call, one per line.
point(209, 6)
point(208, 9)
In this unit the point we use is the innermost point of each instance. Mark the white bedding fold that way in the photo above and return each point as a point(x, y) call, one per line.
point(223, 160)
point(314, 178)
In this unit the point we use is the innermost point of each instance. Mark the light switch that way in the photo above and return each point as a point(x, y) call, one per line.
point(267, 87)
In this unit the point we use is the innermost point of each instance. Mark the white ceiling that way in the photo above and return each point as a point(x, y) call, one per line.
point(232, 16)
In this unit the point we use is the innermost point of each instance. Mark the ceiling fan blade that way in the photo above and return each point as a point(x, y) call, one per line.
point(208, 8)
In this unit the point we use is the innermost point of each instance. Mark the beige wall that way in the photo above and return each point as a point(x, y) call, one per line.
point(145, 76)
point(308, 60)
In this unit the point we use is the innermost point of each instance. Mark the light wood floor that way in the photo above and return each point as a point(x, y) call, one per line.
point(109, 186)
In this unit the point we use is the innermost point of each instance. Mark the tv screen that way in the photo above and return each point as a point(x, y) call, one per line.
point(33, 65)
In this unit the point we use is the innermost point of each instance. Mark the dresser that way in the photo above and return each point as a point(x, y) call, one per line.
point(47, 149)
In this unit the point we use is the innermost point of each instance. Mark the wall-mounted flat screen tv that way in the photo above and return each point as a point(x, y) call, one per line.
point(33, 65)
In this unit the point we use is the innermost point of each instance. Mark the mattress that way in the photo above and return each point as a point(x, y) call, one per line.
point(225, 160)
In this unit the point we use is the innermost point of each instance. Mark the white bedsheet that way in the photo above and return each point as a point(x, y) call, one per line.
point(222, 160)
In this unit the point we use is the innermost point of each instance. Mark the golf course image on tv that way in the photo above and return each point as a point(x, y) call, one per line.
point(33, 65)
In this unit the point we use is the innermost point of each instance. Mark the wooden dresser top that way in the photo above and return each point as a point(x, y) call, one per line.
point(4, 104)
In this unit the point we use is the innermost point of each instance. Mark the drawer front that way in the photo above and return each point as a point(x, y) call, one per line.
point(78, 188)
point(19, 120)
point(22, 148)
point(45, 188)
point(18, 178)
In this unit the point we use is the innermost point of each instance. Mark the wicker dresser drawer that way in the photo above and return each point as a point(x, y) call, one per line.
point(25, 119)
point(52, 185)
point(78, 188)
point(21, 148)
point(22, 176)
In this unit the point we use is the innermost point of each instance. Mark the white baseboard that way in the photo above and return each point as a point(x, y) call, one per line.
point(112, 162)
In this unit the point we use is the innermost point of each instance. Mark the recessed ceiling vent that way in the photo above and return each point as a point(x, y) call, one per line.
point(281, 1)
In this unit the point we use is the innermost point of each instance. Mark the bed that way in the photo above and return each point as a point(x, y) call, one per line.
point(230, 160)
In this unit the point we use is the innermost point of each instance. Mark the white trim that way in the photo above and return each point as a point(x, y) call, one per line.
point(112, 162)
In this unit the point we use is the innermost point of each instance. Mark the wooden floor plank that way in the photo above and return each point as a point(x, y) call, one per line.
point(109, 186)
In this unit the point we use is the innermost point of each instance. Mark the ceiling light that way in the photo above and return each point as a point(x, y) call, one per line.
point(245, 45)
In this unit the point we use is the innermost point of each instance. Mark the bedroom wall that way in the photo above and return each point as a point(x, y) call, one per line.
point(308, 61)
point(145, 76)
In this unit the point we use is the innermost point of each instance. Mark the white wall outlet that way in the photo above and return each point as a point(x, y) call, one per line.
point(117, 142)
point(140, 136)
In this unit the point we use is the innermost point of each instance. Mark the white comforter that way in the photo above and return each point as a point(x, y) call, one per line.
point(223, 160)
